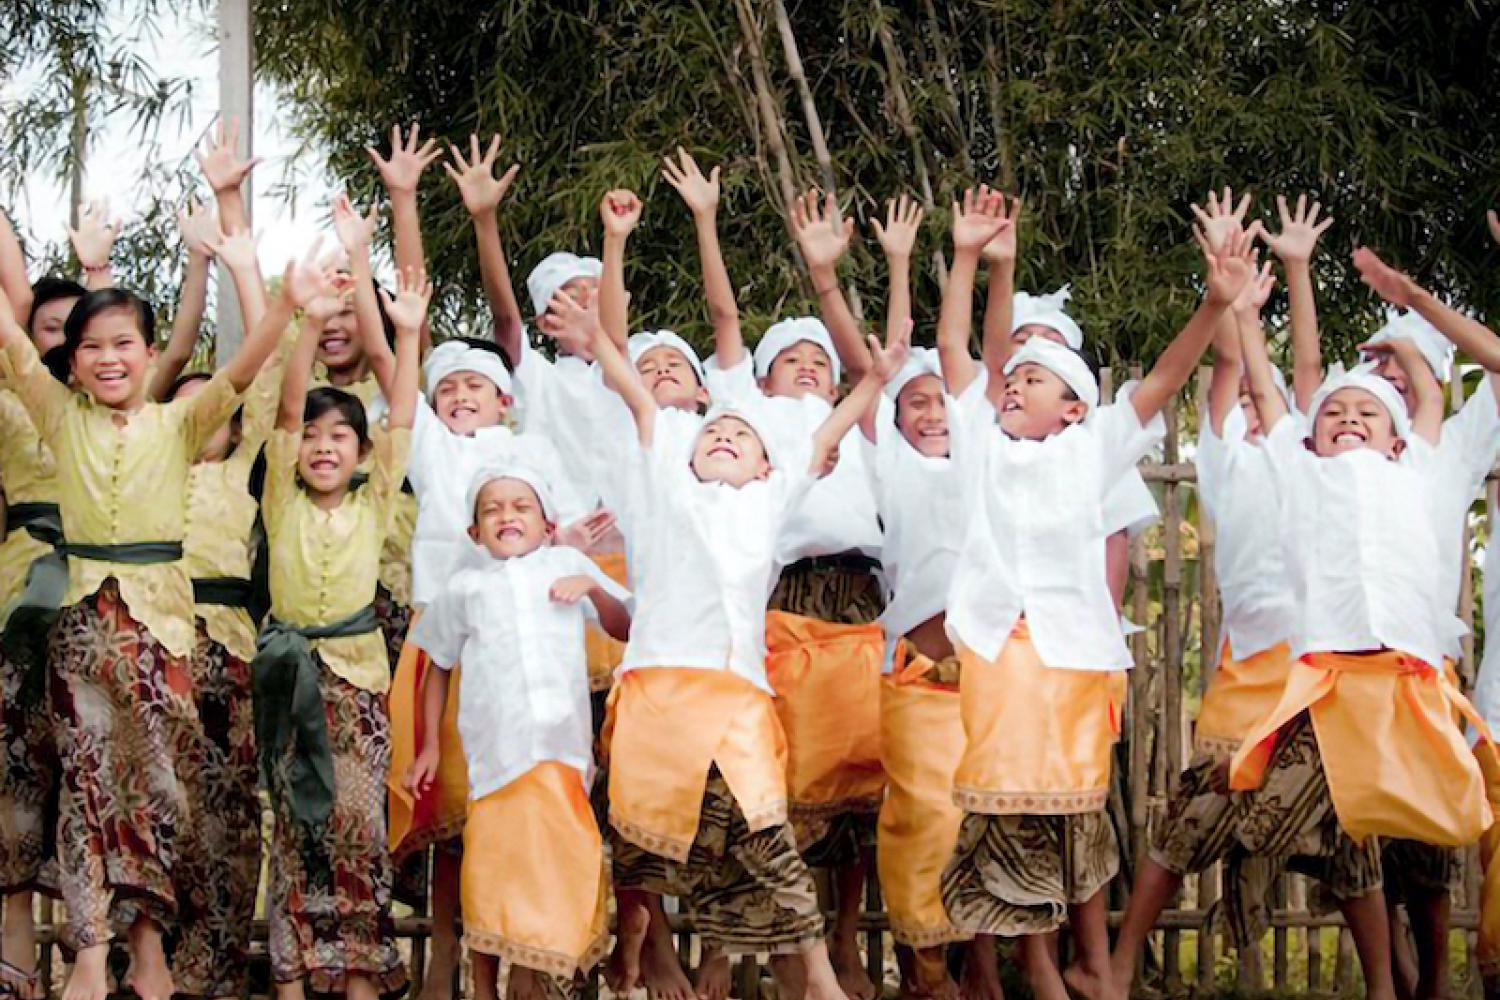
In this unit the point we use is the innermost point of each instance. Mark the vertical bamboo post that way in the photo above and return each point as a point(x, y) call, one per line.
point(1170, 718)
point(1210, 622)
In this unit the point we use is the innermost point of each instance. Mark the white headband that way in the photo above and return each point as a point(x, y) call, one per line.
point(923, 361)
point(510, 467)
point(555, 271)
point(639, 344)
point(456, 356)
point(1436, 349)
point(1047, 310)
point(1362, 377)
point(789, 333)
point(756, 419)
point(1065, 364)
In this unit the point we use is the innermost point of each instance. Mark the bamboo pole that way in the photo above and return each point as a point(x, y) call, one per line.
point(771, 122)
point(809, 106)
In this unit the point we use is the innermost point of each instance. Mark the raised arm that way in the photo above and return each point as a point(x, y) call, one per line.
point(408, 311)
point(885, 362)
point(199, 230)
point(701, 195)
point(306, 284)
point(620, 211)
point(401, 174)
point(823, 236)
point(238, 251)
point(320, 294)
point(93, 242)
point(1294, 245)
point(219, 159)
point(482, 194)
point(1467, 334)
point(354, 233)
point(977, 221)
point(565, 315)
point(898, 238)
point(1268, 400)
point(1224, 385)
point(1000, 298)
point(1229, 268)
point(13, 279)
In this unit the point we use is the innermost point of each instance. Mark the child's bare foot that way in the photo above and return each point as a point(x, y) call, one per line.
point(437, 981)
point(661, 972)
point(816, 971)
point(90, 977)
point(981, 971)
point(712, 980)
point(623, 971)
point(148, 975)
point(849, 967)
point(1090, 983)
point(526, 984)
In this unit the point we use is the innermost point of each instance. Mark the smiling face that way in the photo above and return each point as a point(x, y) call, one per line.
point(509, 520)
point(467, 401)
point(729, 451)
point(922, 416)
point(1025, 333)
point(329, 454)
point(47, 323)
point(112, 359)
point(670, 379)
point(1351, 419)
point(339, 347)
point(801, 369)
point(1037, 404)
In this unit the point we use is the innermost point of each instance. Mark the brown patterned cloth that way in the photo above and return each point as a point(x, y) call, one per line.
point(1016, 875)
point(747, 892)
point(220, 865)
point(330, 901)
point(1200, 824)
point(28, 785)
point(1412, 867)
point(395, 622)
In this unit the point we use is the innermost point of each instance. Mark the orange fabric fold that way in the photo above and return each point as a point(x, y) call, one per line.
point(670, 725)
point(827, 683)
point(603, 652)
point(1397, 764)
point(1039, 740)
point(438, 815)
point(1240, 694)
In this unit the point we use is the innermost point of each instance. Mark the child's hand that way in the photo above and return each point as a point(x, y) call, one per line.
point(236, 251)
point(573, 327)
point(353, 230)
point(887, 361)
point(587, 532)
point(199, 228)
point(700, 193)
point(1257, 291)
point(408, 308)
point(1299, 230)
point(572, 589)
point(477, 185)
point(308, 279)
point(620, 211)
point(1494, 221)
point(1384, 280)
point(903, 219)
point(401, 172)
point(820, 232)
point(979, 219)
point(1002, 247)
point(423, 771)
point(219, 159)
point(94, 238)
point(1223, 218)
point(1230, 267)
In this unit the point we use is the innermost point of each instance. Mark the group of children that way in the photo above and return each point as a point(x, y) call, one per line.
point(605, 624)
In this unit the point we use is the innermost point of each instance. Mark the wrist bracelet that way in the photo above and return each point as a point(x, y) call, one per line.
point(96, 268)
point(824, 291)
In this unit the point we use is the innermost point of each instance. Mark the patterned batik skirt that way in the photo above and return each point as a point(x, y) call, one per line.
point(28, 783)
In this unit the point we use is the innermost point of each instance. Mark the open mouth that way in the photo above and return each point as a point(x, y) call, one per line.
point(722, 451)
point(334, 344)
point(932, 432)
point(323, 465)
point(1011, 406)
point(806, 380)
point(1348, 437)
point(462, 410)
point(110, 376)
point(509, 533)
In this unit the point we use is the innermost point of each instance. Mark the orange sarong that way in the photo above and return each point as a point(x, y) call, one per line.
point(827, 682)
point(437, 816)
point(670, 726)
point(534, 889)
point(922, 742)
point(604, 653)
point(1040, 740)
point(1397, 764)
point(1240, 694)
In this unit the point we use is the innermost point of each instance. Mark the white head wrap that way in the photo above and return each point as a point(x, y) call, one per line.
point(757, 420)
point(555, 271)
point(1362, 377)
point(1065, 364)
point(1436, 349)
point(790, 332)
point(640, 343)
point(1047, 310)
point(456, 356)
point(923, 361)
point(512, 467)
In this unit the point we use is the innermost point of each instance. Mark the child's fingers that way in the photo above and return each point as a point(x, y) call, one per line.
point(1301, 207)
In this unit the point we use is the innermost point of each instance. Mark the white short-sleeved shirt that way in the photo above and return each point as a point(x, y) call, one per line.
point(1238, 485)
point(705, 555)
point(1486, 694)
point(838, 514)
point(1467, 451)
point(523, 694)
point(1035, 533)
point(442, 466)
point(1360, 546)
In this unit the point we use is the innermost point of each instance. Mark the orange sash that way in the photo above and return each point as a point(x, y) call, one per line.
point(438, 815)
point(1240, 694)
point(1397, 764)
point(604, 653)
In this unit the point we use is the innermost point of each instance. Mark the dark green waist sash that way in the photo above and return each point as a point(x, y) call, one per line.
point(223, 591)
point(289, 711)
point(43, 521)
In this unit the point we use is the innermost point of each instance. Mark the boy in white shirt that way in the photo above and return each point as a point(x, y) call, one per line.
point(1031, 614)
point(697, 780)
point(534, 887)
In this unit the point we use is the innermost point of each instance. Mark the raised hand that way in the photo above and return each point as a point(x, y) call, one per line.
point(95, 236)
point(979, 218)
point(572, 326)
point(1223, 218)
point(477, 184)
point(1299, 230)
point(401, 171)
point(1256, 293)
point(1384, 280)
point(820, 231)
point(1002, 247)
point(408, 308)
point(700, 193)
point(903, 220)
point(587, 532)
point(307, 280)
point(219, 158)
point(572, 589)
point(620, 211)
point(199, 227)
point(354, 231)
point(236, 251)
point(888, 360)
point(1230, 266)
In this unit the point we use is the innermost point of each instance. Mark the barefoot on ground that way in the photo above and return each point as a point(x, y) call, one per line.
point(437, 980)
point(1091, 984)
point(89, 980)
point(149, 975)
point(712, 980)
point(661, 972)
point(981, 971)
point(623, 971)
point(822, 983)
point(849, 966)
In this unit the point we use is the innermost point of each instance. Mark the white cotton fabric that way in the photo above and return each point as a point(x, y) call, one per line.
point(1061, 361)
point(556, 270)
point(1047, 310)
point(790, 332)
point(1436, 349)
point(1467, 451)
point(1361, 377)
point(640, 343)
point(456, 356)
point(923, 361)
point(523, 695)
